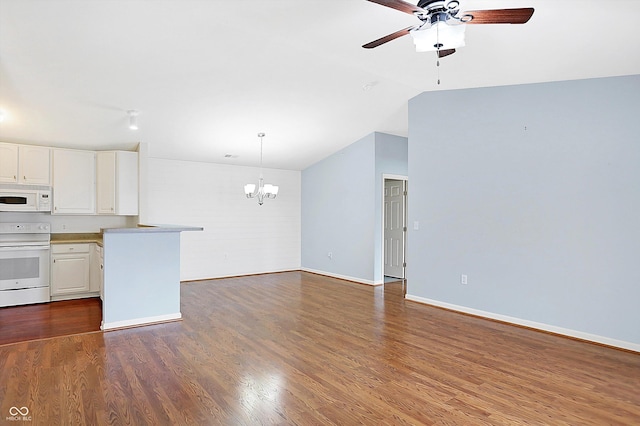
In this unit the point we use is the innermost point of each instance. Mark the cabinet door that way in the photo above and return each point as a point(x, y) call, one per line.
point(95, 283)
point(8, 163)
point(127, 183)
point(74, 182)
point(70, 274)
point(106, 182)
point(34, 164)
point(117, 183)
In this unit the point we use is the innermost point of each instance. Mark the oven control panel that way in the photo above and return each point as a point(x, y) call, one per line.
point(25, 228)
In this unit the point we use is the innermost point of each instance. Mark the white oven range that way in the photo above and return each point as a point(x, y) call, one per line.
point(24, 263)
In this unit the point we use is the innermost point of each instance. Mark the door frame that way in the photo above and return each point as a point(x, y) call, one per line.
point(385, 177)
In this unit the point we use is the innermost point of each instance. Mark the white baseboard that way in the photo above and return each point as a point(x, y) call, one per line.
point(75, 296)
point(531, 324)
point(140, 321)
point(343, 277)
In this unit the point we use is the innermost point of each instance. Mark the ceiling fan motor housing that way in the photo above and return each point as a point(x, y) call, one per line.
point(432, 4)
point(439, 11)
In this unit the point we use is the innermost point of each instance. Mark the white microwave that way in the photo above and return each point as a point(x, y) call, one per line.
point(33, 199)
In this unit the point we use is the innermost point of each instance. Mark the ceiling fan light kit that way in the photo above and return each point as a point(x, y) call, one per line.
point(440, 36)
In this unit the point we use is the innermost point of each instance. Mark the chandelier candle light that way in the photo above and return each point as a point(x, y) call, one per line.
point(264, 190)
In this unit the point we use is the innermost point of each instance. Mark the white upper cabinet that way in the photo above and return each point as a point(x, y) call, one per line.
point(74, 181)
point(35, 165)
point(117, 183)
point(8, 163)
point(25, 164)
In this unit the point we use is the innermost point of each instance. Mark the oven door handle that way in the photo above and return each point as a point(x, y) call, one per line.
point(23, 248)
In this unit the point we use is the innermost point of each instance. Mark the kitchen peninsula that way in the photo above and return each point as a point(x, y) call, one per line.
point(141, 275)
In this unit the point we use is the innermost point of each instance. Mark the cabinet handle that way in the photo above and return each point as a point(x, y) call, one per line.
point(24, 178)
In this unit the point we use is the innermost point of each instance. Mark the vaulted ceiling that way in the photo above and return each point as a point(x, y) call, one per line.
point(207, 75)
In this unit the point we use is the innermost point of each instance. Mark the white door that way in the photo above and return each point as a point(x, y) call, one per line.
point(394, 228)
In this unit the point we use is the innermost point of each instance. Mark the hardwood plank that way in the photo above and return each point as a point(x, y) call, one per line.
point(45, 320)
point(299, 348)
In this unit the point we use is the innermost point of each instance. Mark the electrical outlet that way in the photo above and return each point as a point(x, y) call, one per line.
point(463, 279)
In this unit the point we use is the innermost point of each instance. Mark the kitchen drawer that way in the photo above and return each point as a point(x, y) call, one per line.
point(70, 248)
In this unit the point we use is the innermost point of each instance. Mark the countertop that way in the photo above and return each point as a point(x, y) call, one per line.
point(71, 238)
point(152, 228)
point(76, 238)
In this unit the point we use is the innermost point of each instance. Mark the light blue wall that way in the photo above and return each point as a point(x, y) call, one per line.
point(533, 191)
point(337, 212)
point(391, 158)
point(341, 207)
point(141, 277)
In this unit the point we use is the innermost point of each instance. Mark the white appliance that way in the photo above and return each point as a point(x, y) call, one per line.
point(25, 198)
point(24, 263)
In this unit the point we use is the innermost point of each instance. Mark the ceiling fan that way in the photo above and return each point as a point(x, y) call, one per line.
point(442, 25)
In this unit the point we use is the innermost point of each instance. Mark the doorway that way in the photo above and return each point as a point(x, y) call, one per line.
point(394, 220)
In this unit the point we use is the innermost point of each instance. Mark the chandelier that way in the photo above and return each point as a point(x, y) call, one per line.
point(263, 190)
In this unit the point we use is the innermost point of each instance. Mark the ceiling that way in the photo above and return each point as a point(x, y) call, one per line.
point(207, 75)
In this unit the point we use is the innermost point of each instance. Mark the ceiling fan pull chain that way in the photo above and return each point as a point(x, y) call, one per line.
point(438, 51)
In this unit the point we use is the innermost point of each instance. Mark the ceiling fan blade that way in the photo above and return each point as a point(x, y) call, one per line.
point(400, 5)
point(446, 52)
point(500, 16)
point(387, 38)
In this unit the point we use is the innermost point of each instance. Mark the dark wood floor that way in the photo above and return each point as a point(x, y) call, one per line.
point(298, 348)
point(44, 320)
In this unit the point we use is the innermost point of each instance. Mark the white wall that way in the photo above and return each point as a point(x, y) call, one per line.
point(240, 237)
point(534, 193)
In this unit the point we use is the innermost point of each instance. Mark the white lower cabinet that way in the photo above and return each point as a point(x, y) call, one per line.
point(95, 284)
point(70, 266)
